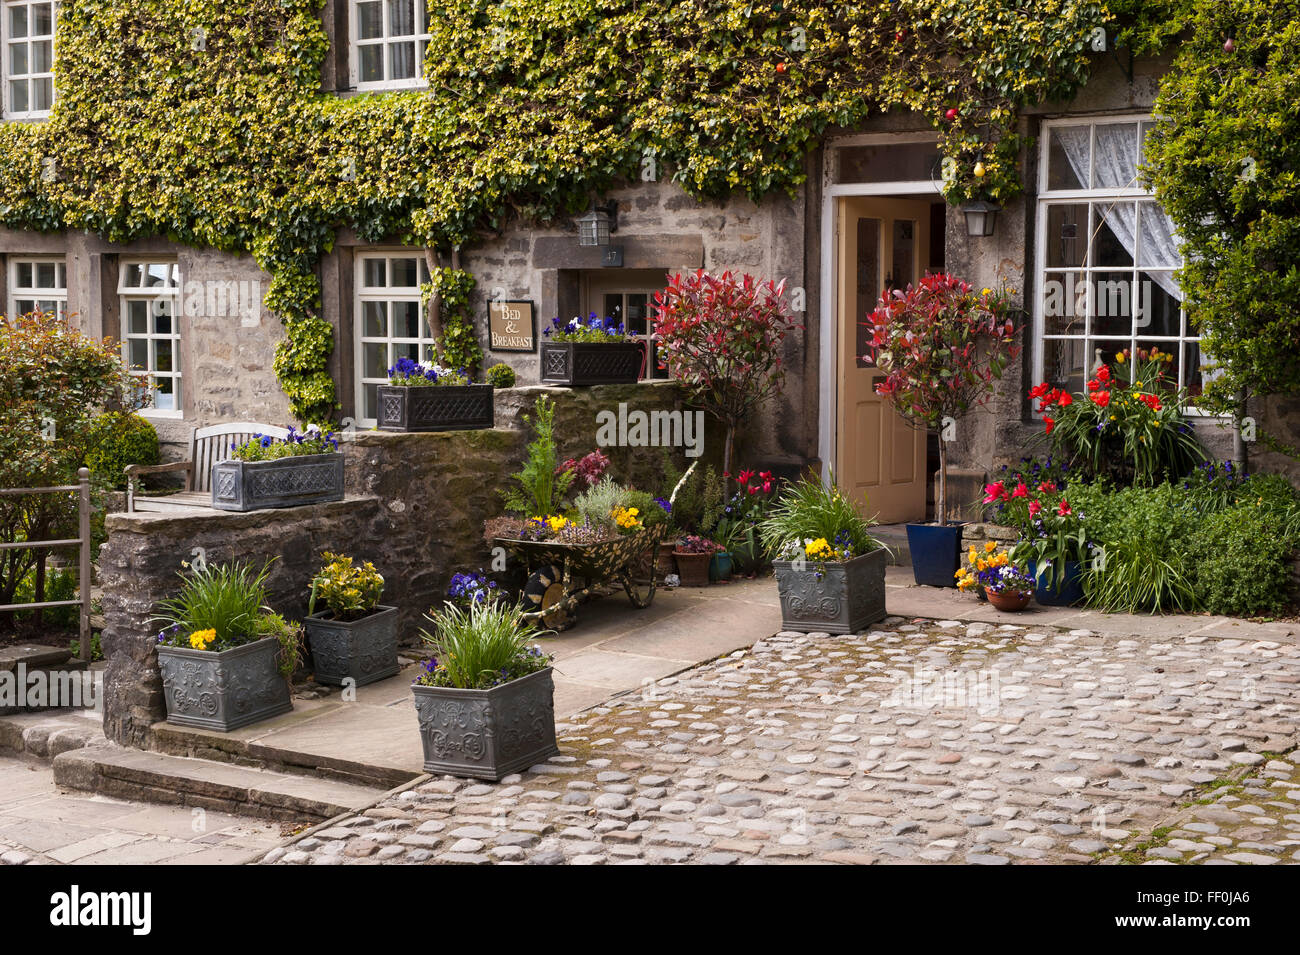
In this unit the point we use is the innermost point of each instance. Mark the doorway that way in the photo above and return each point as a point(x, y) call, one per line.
point(881, 243)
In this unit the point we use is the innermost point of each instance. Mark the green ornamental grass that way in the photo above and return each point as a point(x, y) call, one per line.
point(809, 510)
point(227, 598)
point(480, 646)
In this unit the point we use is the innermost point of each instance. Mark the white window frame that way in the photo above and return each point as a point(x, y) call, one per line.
point(6, 58)
point(387, 294)
point(38, 295)
point(1046, 199)
point(169, 291)
point(420, 37)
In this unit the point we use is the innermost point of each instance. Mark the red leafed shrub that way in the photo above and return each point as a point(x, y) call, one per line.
point(720, 338)
point(941, 345)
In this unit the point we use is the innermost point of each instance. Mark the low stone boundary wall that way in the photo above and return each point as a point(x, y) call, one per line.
point(415, 506)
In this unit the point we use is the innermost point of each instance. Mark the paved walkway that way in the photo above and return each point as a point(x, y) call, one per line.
point(612, 650)
point(39, 823)
point(939, 742)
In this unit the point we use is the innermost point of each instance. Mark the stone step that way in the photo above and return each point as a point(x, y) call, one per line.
point(124, 773)
point(44, 735)
point(894, 536)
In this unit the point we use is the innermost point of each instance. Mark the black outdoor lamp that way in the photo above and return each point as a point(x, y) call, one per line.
point(981, 217)
point(595, 226)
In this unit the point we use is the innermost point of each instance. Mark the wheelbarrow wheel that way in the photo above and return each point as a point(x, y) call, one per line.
point(544, 590)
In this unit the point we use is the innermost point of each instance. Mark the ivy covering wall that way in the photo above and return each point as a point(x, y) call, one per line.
point(203, 121)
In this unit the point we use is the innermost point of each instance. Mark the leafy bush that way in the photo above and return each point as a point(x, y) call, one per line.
point(1240, 556)
point(720, 337)
point(479, 647)
point(942, 347)
point(501, 375)
point(118, 439)
point(350, 592)
point(700, 499)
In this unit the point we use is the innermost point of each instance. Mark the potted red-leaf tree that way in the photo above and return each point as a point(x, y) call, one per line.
point(720, 337)
point(941, 345)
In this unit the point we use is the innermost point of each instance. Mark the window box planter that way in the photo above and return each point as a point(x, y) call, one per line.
point(223, 691)
point(936, 553)
point(844, 597)
point(487, 734)
point(435, 407)
point(693, 569)
point(576, 364)
point(363, 651)
point(284, 482)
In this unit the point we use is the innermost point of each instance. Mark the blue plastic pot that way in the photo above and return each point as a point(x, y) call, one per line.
point(936, 553)
point(720, 566)
point(1069, 593)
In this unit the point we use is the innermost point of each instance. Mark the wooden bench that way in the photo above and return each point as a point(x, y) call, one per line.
point(207, 446)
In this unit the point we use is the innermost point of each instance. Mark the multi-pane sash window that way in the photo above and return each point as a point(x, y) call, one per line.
point(150, 294)
point(1107, 253)
point(28, 57)
point(389, 322)
point(38, 285)
point(389, 38)
point(633, 309)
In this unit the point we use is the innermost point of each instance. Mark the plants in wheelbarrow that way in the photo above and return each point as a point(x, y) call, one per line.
point(480, 646)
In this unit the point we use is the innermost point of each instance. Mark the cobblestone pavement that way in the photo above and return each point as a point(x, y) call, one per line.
point(925, 742)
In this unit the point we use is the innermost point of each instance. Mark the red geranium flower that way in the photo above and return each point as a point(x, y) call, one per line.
point(1063, 510)
point(1101, 398)
point(1050, 423)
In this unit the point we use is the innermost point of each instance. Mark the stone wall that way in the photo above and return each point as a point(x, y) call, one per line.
point(415, 506)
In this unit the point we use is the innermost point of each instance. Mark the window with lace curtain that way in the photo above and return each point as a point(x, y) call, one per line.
point(1106, 257)
point(389, 39)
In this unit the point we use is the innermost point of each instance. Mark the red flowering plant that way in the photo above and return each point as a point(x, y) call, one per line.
point(743, 512)
point(586, 470)
point(720, 337)
point(1052, 532)
point(1127, 425)
point(941, 345)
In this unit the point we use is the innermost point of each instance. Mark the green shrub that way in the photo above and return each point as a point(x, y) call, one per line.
point(117, 439)
point(60, 584)
point(1140, 561)
point(1240, 556)
point(479, 647)
point(809, 511)
point(501, 375)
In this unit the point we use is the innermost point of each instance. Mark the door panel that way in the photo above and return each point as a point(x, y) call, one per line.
point(883, 243)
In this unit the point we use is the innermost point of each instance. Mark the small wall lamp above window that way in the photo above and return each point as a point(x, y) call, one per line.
point(595, 226)
point(981, 217)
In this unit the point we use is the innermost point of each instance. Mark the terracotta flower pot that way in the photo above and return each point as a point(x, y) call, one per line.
point(1011, 602)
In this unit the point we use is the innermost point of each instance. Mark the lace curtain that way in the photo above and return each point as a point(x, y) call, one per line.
point(1116, 168)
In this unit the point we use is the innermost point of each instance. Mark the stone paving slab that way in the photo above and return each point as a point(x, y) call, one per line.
point(927, 742)
point(41, 824)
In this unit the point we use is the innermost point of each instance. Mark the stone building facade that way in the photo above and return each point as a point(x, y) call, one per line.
point(213, 342)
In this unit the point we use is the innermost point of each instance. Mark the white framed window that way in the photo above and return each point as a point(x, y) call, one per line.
point(38, 285)
point(628, 297)
point(1106, 257)
point(149, 291)
point(389, 322)
point(389, 39)
point(28, 34)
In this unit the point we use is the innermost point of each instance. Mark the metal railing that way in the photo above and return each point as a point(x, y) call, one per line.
point(84, 578)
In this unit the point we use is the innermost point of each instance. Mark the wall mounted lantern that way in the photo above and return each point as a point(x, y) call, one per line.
point(981, 217)
point(595, 226)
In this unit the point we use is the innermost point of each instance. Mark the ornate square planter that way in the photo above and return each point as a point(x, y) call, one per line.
point(592, 363)
point(284, 482)
point(435, 407)
point(363, 651)
point(844, 599)
point(487, 734)
point(223, 691)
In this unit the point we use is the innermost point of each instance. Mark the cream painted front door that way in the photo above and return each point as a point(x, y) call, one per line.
point(881, 243)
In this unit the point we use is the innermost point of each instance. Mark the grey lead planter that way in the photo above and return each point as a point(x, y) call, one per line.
point(435, 407)
point(487, 734)
point(844, 598)
point(284, 482)
point(362, 650)
point(223, 691)
point(592, 363)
